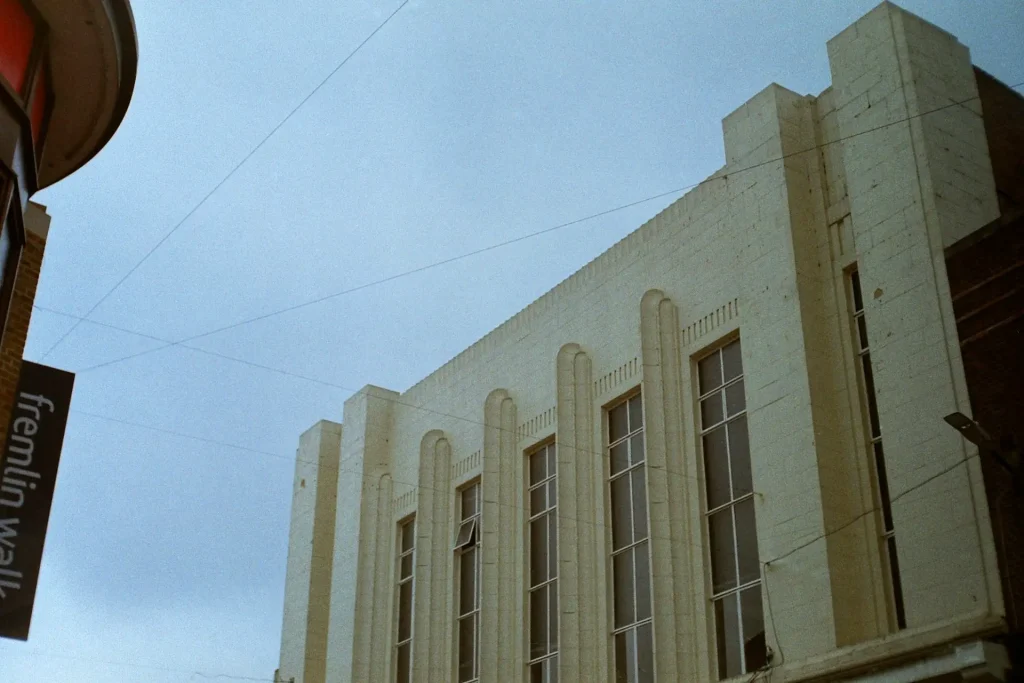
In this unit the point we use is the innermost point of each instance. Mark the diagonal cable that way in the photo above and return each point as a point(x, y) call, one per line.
point(220, 184)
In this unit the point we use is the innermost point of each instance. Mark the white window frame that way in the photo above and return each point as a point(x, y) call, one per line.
point(731, 505)
point(630, 631)
point(546, 663)
point(876, 452)
point(467, 540)
point(402, 554)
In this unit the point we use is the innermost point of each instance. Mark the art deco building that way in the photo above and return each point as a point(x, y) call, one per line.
point(719, 450)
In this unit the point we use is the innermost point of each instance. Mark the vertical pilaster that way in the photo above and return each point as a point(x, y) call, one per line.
point(667, 478)
point(359, 637)
point(501, 637)
point(310, 553)
point(583, 622)
point(919, 178)
point(433, 587)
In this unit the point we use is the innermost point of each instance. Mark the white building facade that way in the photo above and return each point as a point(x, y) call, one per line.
point(716, 451)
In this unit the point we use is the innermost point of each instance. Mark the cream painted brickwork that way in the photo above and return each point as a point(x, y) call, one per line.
point(759, 250)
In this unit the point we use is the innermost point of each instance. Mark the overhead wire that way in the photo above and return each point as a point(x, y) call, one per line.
point(223, 180)
point(723, 175)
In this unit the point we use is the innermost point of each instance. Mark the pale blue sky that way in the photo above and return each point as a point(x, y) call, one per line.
point(461, 124)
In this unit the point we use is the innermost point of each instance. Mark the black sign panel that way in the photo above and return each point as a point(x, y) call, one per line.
point(28, 472)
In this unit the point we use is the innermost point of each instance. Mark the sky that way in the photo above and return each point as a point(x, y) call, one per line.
point(459, 125)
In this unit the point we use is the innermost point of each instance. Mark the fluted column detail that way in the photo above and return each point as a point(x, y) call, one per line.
point(433, 584)
point(501, 636)
point(667, 479)
point(582, 623)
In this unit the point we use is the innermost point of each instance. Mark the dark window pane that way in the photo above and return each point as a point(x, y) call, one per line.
point(739, 455)
point(545, 671)
point(858, 300)
point(469, 500)
point(618, 422)
point(755, 651)
point(552, 493)
point(538, 466)
point(408, 535)
point(869, 390)
point(639, 504)
point(619, 457)
point(716, 468)
point(732, 362)
point(897, 586)
point(552, 545)
point(552, 459)
point(645, 653)
point(746, 541)
point(467, 643)
point(735, 400)
point(710, 371)
point(862, 332)
point(642, 574)
point(467, 581)
point(538, 500)
point(539, 550)
point(622, 522)
point(622, 662)
point(405, 611)
point(727, 626)
point(883, 487)
point(539, 619)
point(623, 569)
point(465, 533)
point(404, 670)
point(406, 566)
point(711, 410)
point(723, 562)
point(636, 413)
point(636, 449)
point(537, 673)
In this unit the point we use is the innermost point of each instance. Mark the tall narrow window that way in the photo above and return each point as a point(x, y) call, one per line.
point(732, 532)
point(467, 558)
point(876, 453)
point(631, 570)
point(543, 567)
point(406, 564)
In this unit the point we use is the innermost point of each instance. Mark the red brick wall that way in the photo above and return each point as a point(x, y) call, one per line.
point(13, 345)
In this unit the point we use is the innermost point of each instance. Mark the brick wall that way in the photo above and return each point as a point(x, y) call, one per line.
point(13, 345)
point(988, 298)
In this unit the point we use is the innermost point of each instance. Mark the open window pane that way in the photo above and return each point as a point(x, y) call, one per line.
point(723, 561)
point(623, 571)
point(470, 501)
point(465, 533)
